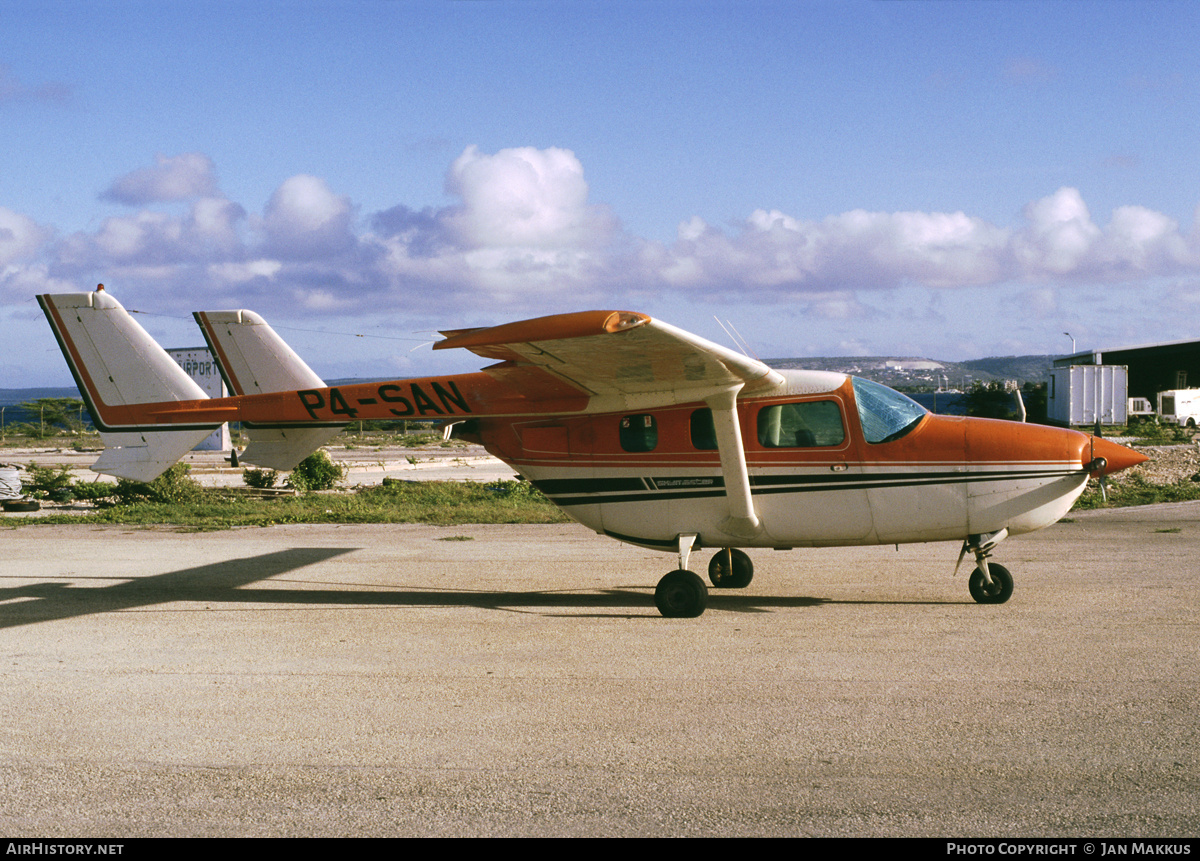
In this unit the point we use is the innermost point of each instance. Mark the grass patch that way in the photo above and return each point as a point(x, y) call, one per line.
point(1135, 490)
point(1154, 433)
point(439, 503)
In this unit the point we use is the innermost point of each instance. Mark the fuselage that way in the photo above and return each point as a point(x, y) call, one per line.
point(822, 472)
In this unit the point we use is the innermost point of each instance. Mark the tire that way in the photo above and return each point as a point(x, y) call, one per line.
point(720, 575)
point(1000, 590)
point(681, 595)
point(22, 505)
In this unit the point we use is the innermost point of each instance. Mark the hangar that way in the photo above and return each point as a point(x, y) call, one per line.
point(1153, 368)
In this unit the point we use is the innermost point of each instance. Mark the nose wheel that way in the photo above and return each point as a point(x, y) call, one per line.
point(997, 591)
point(990, 583)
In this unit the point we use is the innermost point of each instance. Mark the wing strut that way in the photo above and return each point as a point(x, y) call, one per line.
point(743, 521)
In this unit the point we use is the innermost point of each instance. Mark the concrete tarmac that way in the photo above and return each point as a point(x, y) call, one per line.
point(517, 680)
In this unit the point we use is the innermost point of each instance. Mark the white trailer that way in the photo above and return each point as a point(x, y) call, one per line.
point(1180, 406)
point(1085, 394)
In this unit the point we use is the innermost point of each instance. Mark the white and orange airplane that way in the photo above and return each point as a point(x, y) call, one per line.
point(636, 429)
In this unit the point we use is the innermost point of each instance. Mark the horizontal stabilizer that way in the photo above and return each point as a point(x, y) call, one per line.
point(280, 448)
point(145, 456)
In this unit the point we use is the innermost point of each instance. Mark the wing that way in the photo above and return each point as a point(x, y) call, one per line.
point(619, 358)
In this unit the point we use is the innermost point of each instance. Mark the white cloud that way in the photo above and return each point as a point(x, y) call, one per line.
point(525, 198)
point(172, 178)
point(775, 252)
point(772, 255)
point(305, 220)
point(1060, 235)
point(523, 238)
point(20, 237)
point(208, 232)
point(240, 273)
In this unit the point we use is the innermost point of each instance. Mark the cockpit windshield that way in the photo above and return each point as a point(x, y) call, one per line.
point(885, 413)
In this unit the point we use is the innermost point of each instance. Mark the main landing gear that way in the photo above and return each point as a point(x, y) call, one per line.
point(730, 569)
point(683, 595)
point(989, 583)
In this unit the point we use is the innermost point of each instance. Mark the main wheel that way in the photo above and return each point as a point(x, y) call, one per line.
point(730, 569)
point(681, 595)
point(998, 592)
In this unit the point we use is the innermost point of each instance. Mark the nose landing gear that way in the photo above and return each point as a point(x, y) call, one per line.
point(989, 584)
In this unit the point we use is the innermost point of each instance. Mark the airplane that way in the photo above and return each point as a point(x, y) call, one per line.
point(634, 428)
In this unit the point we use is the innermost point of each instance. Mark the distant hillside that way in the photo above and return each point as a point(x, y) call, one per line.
point(912, 371)
point(908, 371)
point(1033, 369)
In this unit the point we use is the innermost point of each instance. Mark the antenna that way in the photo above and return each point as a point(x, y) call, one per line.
point(745, 344)
point(736, 337)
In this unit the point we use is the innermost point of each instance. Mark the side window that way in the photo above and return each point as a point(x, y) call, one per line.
point(639, 433)
point(704, 434)
point(804, 425)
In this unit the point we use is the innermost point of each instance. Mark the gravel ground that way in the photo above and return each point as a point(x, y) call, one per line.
point(1167, 465)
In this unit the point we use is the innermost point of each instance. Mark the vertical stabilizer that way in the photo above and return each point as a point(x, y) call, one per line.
point(122, 374)
point(254, 360)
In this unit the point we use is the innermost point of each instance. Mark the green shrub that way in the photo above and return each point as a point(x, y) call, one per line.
point(93, 491)
point(42, 482)
point(316, 472)
point(260, 478)
point(174, 485)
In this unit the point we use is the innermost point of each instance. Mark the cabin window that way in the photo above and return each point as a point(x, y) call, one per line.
point(885, 414)
point(639, 433)
point(808, 424)
point(704, 433)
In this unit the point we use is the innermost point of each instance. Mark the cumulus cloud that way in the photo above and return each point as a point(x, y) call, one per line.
point(305, 219)
point(771, 253)
point(20, 237)
point(172, 178)
point(209, 231)
point(522, 236)
point(774, 252)
point(523, 197)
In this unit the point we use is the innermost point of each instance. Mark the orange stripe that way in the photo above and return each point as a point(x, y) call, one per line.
point(76, 362)
point(226, 365)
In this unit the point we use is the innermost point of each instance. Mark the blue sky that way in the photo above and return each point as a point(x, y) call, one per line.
point(944, 179)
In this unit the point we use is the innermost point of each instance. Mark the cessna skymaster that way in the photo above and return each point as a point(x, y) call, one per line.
point(636, 429)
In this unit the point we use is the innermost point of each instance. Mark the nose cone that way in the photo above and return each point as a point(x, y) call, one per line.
point(1118, 457)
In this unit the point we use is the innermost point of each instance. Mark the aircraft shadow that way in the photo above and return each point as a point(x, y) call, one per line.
point(218, 581)
point(225, 583)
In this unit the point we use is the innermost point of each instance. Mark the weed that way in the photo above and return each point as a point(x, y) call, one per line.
point(46, 482)
point(316, 472)
point(260, 478)
point(1136, 490)
point(173, 486)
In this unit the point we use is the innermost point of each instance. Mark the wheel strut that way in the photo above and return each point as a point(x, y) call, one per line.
point(989, 584)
